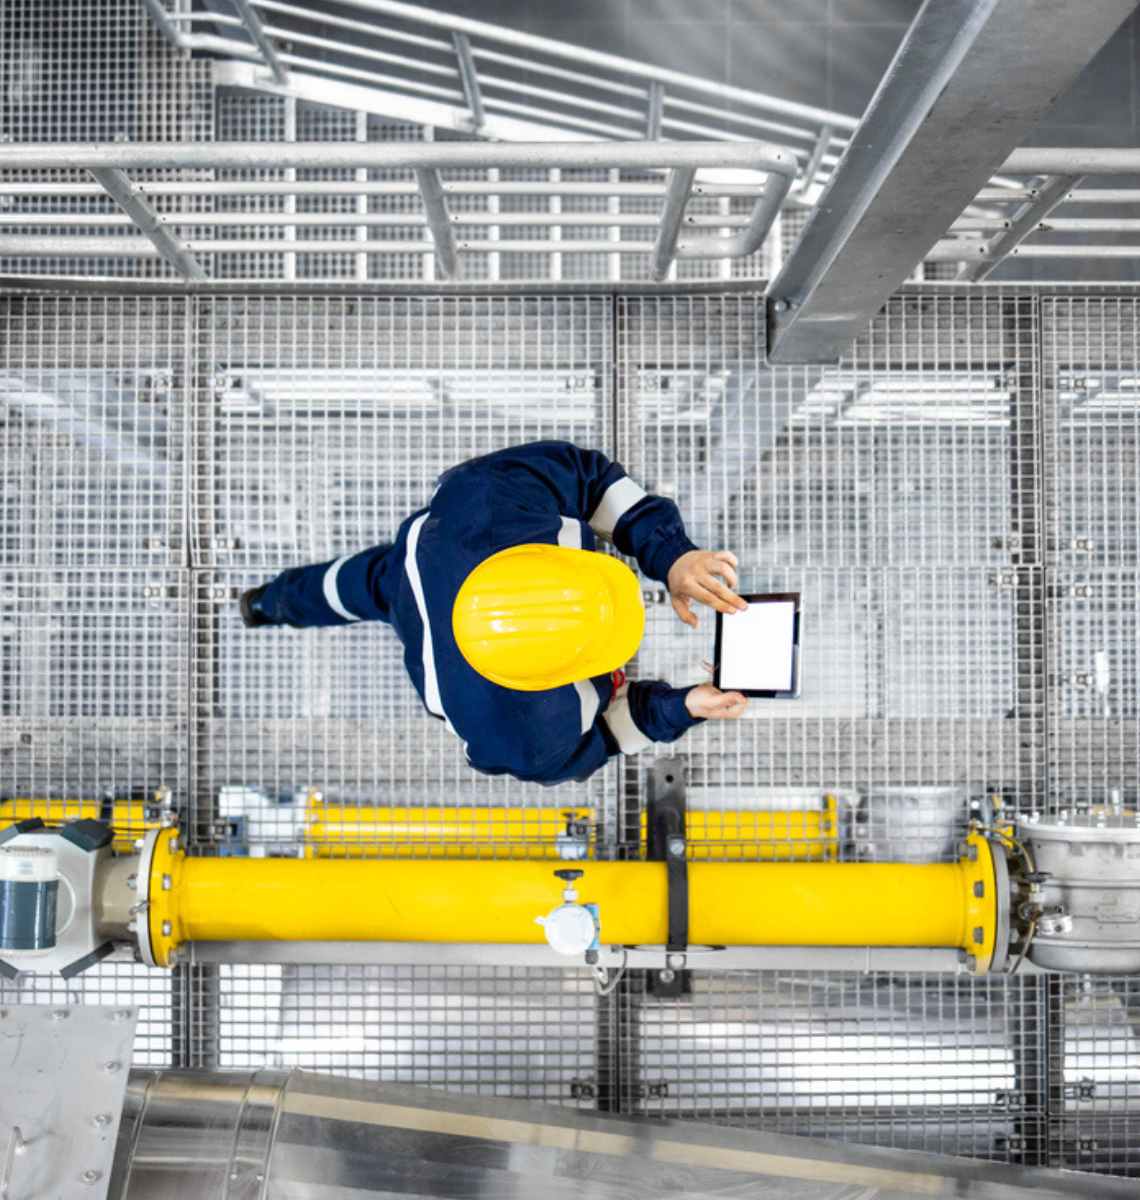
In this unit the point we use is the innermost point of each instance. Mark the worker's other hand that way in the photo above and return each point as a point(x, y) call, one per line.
point(714, 705)
point(705, 575)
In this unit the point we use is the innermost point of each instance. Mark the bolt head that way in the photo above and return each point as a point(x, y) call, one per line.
point(167, 929)
point(667, 975)
point(676, 847)
point(167, 883)
point(91, 1175)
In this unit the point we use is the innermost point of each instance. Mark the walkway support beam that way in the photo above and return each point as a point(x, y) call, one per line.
point(970, 80)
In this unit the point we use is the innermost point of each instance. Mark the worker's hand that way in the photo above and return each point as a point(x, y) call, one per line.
point(705, 575)
point(714, 705)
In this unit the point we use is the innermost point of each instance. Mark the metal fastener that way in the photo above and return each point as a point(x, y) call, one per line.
point(667, 975)
point(167, 929)
point(132, 882)
point(101, 1120)
point(112, 1066)
point(676, 847)
point(167, 883)
point(91, 1175)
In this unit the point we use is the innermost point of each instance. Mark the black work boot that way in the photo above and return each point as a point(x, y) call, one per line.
point(252, 616)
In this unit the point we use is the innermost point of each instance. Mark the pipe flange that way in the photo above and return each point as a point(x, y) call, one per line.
point(1003, 897)
point(159, 861)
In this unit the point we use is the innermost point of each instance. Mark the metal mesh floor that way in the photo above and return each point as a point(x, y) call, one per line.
point(957, 502)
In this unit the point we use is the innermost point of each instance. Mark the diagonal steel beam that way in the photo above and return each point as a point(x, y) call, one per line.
point(139, 209)
point(970, 80)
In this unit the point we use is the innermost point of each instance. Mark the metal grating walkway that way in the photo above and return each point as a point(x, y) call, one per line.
point(957, 501)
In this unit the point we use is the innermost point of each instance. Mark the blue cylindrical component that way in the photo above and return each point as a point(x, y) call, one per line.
point(29, 895)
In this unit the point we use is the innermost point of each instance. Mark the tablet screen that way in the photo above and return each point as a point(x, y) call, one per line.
point(757, 648)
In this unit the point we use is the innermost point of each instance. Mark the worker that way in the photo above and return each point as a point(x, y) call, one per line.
point(514, 627)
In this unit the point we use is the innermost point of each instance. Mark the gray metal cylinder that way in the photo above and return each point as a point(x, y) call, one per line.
point(1093, 881)
point(276, 1136)
point(29, 899)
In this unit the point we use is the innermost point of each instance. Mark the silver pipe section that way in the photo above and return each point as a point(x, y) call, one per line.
point(752, 236)
point(672, 214)
point(1071, 160)
point(272, 156)
point(293, 1136)
point(355, 219)
point(340, 187)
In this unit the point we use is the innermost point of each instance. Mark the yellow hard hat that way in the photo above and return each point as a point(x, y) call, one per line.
point(535, 617)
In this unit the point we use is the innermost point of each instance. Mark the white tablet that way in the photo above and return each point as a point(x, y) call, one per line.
point(758, 650)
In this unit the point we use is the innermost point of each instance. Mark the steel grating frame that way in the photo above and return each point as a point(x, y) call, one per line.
point(874, 550)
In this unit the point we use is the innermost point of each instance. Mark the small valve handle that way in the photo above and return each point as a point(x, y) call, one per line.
point(568, 875)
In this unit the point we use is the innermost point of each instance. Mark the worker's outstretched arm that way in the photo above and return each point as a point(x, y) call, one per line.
point(340, 592)
point(587, 485)
point(640, 715)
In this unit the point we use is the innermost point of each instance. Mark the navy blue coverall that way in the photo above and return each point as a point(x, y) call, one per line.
point(545, 492)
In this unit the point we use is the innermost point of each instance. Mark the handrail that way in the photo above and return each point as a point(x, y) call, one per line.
point(434, 58)
point(598, 58)
point(762, 172)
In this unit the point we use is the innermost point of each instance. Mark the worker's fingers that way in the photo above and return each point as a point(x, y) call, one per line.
point(726, 556)
point(729, 598)
point(695, 590)
point(725, 570)
point(684, 611)
point(730, 705)
point(712, 592)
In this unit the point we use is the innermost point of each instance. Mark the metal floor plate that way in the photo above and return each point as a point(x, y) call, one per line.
point(928, 497)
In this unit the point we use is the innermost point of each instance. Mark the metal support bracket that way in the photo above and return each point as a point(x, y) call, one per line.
point(469, 78)
point(667, 844)
point(655, 110)
point(116, 184)
point(1051, 194)
point(252, 24)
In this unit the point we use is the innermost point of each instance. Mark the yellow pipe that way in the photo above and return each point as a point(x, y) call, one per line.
point(730, 904)
point(128, 817)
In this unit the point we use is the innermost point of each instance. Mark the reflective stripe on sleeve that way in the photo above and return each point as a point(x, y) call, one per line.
point(332, 596)
point(411, 567)
point(570, 535)
point(588, 701)
point(618, 499)
point(619, 720)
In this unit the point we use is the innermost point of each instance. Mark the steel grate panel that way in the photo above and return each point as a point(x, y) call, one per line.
point(526, 1033)
point(881, 491)
point(93, 683)
point(330, 420)
point(1092, 413)
point(916, 1062)
point(92, 430)
point(286, 712)
point(1095, 678)
point(1096, 1125)
point(310, 425)
point(899, 456)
